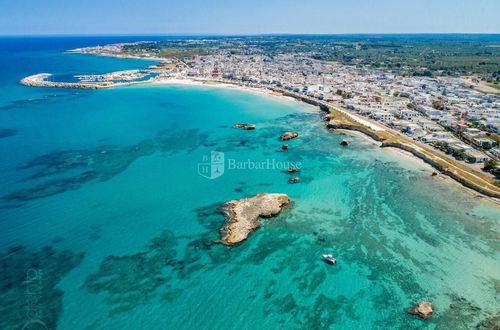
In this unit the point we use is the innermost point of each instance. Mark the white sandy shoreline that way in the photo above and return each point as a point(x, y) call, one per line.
point(207, 83)
point(176, 80)
point(402, 154)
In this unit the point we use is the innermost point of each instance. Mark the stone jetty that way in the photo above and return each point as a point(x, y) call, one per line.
point(40, 80)
point(125, 77)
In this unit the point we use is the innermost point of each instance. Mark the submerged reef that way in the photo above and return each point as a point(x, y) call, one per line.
point(291, 290)
point(136, 276)
point(159, 272)
point(492, 323)
point(102, 163)
point(28, 283)
point(44, 100)
point(170, 264)
point(6, 132)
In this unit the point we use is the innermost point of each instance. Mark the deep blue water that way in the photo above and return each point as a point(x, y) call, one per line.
point(105, 222)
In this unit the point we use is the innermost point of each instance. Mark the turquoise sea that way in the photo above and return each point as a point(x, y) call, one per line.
point(106, 223)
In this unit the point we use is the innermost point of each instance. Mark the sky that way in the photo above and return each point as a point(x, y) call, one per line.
point(236, 17)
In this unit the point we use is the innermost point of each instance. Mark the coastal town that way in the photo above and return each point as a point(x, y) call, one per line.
point(459, 123)
point(442, 111)
point(204, 165)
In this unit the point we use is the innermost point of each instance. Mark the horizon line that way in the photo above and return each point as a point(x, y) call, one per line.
point(245, 35)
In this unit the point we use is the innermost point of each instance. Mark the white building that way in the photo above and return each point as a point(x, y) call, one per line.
point(382, 115)
point(409, 114)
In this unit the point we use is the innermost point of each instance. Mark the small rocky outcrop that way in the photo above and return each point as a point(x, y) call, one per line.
point(283, 148)
point(292, 170)
point(247, 127)
point(243, 215)
point(294, 180)
point(288, 136)
point(344, 142)
point(424, 309)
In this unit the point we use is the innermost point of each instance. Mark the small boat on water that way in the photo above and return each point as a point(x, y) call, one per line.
point(329, 259)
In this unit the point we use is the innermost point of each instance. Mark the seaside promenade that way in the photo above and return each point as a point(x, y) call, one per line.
point(338, 117)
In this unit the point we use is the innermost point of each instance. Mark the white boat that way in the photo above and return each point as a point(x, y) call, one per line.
point(329, 259)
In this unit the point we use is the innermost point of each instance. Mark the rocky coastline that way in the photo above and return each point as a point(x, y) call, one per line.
point(335, 119)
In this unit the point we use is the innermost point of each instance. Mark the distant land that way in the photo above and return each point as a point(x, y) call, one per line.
point(406, 54)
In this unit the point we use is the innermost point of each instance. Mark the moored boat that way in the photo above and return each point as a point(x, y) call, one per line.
point(329, 259)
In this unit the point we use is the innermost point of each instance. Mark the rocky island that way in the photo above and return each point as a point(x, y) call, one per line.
point(424, 309)
point(247, 127)
point(288, 136)
point(243, 215)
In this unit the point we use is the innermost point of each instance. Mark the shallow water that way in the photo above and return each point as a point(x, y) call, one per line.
point(109, 180)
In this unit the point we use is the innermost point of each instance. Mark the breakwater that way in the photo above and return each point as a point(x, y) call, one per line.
point(40, 80)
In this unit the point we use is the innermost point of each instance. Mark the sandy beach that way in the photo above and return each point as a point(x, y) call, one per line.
point(396, 152)
point(39, 80)
point(211, 83)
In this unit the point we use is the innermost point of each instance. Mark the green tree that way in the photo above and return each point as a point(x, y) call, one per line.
point(459, 154)
point(489, 164)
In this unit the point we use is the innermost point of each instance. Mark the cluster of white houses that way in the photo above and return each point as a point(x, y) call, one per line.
point(434, 110)
point(442, 111)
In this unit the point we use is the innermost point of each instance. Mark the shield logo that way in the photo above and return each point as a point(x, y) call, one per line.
point(212, 166)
